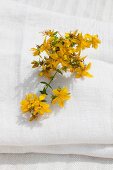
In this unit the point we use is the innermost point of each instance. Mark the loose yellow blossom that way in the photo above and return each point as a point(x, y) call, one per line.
point(95, 41)
point(60, 96)
point(82, 43)
point(49, 32)
point(45, 73)
point(35, 51)
point(36, 105)
point(83, 71)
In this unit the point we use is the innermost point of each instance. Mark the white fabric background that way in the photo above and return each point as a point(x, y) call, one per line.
point(52, 162)
point(29, 161)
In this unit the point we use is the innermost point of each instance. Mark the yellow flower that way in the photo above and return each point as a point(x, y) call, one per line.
point(60, 96)
point(25, 107)
point(41, 106)
point(35, 51)
point(35, 64)
point(54, 56)
point(67, 34)
point(52, 64)
point(81, 42)
point(45, 73)
point(35, 104)
point(95, 41)
point(28, 102)
point(83, 71)
point(45, 46)
point(49, 32)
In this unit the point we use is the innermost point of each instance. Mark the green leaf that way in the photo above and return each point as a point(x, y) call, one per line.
point(48, 85)
point(43, 91)
point(43, 82)
point(59, 71)
point(55, 32)
point(64, 68)
point(51, 77)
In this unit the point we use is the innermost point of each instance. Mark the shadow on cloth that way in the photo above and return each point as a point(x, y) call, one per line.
point(31, 158)
point(32, 85)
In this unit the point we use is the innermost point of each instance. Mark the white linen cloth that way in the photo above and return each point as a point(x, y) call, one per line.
point(85, 125)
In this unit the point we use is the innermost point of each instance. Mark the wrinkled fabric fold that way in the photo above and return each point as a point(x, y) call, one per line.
point(85, 124)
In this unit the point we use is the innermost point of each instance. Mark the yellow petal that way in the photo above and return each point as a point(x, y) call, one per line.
point(24, 106)
point(87, 36)
point(42, 97)
point(64, 90)
point(41, 73)
point(83, 58)
point(78, 75)
point(88, 75)
point(88, 66)
point(54, 100)
point(55, 92)
point(35, 51)
point(61, 103)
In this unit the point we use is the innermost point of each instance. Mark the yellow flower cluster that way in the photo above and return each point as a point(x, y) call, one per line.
point(35, 105)
point(58, 54)
point(38, 106)
point(63, 52)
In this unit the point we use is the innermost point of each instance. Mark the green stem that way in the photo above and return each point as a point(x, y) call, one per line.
point(48, 84)
point(52, 78)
